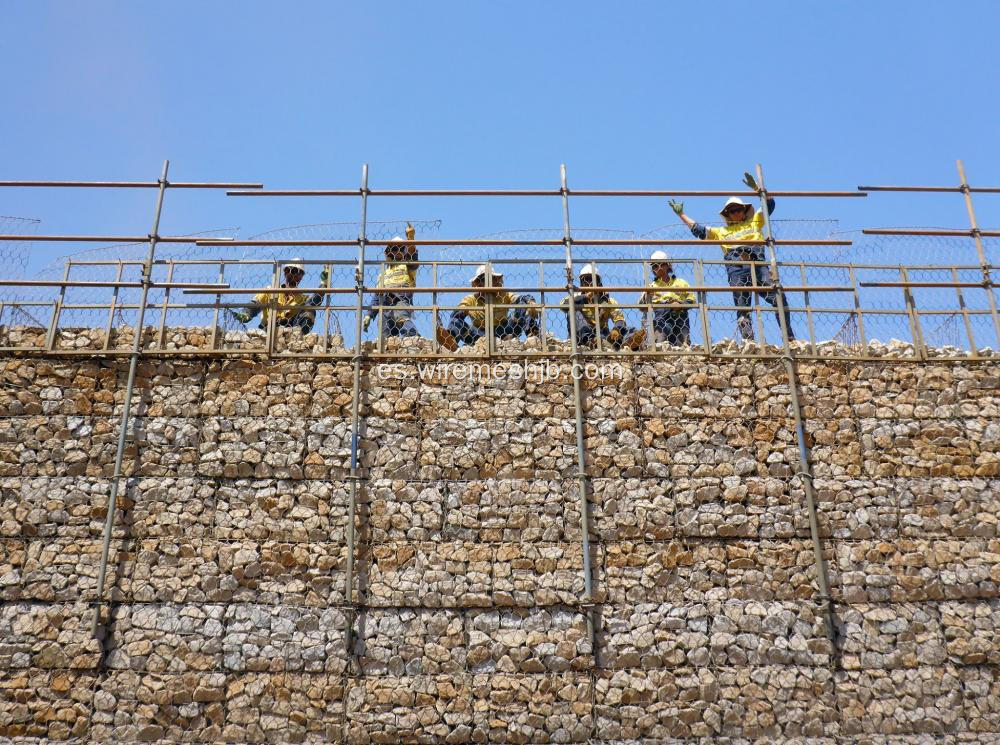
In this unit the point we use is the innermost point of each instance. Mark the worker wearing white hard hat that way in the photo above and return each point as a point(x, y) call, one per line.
point(742, 223)
point(670, 301)
point(596, 312)
point(513, 315)
point(291, 309)
point(398, 273)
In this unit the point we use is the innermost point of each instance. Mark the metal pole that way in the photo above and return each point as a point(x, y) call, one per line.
point(352, 506)
point(581, 473)
point(977, 235)
point(805, 469)
point(147, 270)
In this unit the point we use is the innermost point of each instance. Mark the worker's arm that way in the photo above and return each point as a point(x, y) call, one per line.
point(249, 312)
point(751, 183)
point(697, 229)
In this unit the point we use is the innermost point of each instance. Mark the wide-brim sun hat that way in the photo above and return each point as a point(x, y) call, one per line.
point(481, 272)
point(733, 201)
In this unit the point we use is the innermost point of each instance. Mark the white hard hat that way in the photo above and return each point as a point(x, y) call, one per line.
point(731, 201)
point(659, 256)
point(481, 272)
point(591, 270)
point(296, 263)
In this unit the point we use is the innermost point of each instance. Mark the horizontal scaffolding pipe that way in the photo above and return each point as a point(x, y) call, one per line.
point(980, 284)
point(498, 290)
point(88, 283)
point(931, 231)
point(511, 242)
point(108, 239)
point(531, 193)
point(957, 189)
point(131, 184)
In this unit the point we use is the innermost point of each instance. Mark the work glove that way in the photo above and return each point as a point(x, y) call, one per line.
point(238, 317)
point(749, 180)
point(324, 278)
point(614, 336)
point(366, 323)
point(411, 232)
point(676, 206)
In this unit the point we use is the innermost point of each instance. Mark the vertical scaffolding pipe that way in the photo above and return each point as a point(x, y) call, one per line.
point(581, 473)
point(147, 271)
point(805, 468)
point(983, 263)
point(352, 505)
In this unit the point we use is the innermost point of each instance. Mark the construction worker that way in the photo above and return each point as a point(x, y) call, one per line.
point(597, 312)
point(468, 323)
point(742, 223)
point(293, 309)
point(671, 325)
point(400, 272)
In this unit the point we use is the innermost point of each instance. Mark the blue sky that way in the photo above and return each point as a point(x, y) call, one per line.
point(476, 94)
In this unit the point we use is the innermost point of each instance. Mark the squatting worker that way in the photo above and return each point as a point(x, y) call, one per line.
point(468, 323)
point(596, 312)
point(293, 309)
point(742, 223)
point(399, 273)
point(670, 324)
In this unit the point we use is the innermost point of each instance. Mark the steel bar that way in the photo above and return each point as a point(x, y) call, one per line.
point(581, 463)
point(977, 235)
point(911, 306)
point(804, 455)
point(111, 310)
point(932, 232)
point(965, 314)
point(130, 184)
point(50, 339)
point(162, 334)
point(699, 275)
point(352, 507)
point(857, 309)
point(981, 189)
point(127, 405)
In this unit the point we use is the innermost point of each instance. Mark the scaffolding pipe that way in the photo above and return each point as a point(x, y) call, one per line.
point(131, 184)
point(826, 601)
point(977, 235)
point(116, 476)
point(352, 506)
point(514, 242)
point(938, 232)
point(531, 193)
point(581, 473)
point(212, 289)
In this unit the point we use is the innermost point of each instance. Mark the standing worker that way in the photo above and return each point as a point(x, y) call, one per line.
point(293, 309)
point(468, 323)
point(670, 324)
point(599, 313)
point(400, 272)
point(743, 223)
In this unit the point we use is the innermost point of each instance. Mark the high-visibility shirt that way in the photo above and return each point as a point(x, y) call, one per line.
point(671, 292)
point(398, 275)
point(607, 309)
point(289, 305)
point(746, 230)
point(475, 306)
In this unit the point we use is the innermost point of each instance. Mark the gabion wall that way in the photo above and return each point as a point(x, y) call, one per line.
point(227, 572)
